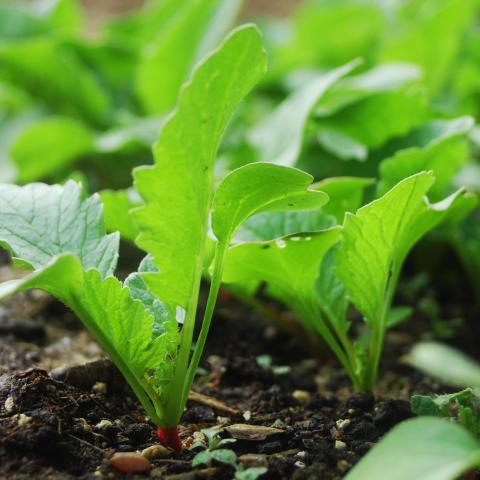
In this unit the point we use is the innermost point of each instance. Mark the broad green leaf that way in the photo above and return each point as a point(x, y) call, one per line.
point(426, 448)
point(341, 145)
point(260, 187)
point(49, 145)
point(271, 225)
point(116, 204)
point(445, 363)
point(345, 195)
point(38, 222)
point(177, 190)
point(444, 155)
point(123, 326)
point(278, 137)
point(50, 71)
point(167, 62)
point(282, 265)
point(380, 117)
point(376, 240)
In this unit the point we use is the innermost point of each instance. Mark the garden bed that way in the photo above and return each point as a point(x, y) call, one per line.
point(65, 410)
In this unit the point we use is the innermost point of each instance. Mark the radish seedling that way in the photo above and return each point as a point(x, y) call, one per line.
point(61, 236)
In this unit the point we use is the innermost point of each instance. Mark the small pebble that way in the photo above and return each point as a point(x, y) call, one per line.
point(301, 454)
point(339, 445)
point(247, 415)
point(342, 424)
point(9, 405)
point(223, 420)
point(23, 419)
point(278, 424)
point(299, 464)
point(302, 396)
point(103, 423)
point(342, 466)
point(156, 451)
point(100, 387)
point(130, 462)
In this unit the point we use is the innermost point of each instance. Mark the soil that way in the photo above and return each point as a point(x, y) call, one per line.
point(65, 410)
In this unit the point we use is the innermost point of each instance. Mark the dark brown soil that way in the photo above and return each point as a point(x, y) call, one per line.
point(61, 417)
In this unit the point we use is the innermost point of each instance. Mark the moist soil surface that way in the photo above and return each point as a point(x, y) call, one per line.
point(65, 410)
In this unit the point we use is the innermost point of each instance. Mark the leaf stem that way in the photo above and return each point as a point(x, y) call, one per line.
point(218, 263)
point(378, 336)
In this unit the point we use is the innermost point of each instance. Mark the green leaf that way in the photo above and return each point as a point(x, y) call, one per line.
point(380, 117)
point(281, 265)
point(59, 233)
point(167, 62)
point(445, 363)
point(426, 448)
point(278, 137)
point(220, 455)
point(436, 406)
point(345, 194)
point(38, 222)
point(116, 204)
point(376, 240)
point(49, 145)
point(178, 190)
point(444, 154)
point(260, 187)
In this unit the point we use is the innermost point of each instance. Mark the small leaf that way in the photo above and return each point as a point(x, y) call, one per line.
point(376, 240)
point(260, 187)
point(38, 222)
point(445, 363)
point(220, 455)
point(282, 265)
point(426, 448)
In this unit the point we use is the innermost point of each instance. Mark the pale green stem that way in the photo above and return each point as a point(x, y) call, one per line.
point(218, 263)
point(378, 336)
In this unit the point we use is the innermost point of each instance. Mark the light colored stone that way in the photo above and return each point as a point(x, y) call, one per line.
point(130, 462)
point(343, 423)
point(242, 431)
point(302, 396)
point(9, 404)
point(103, 423)
point(156, 451)
point(339, 445)
point(100, 387)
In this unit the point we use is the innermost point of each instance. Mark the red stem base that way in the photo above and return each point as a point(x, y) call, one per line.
point(169, 438)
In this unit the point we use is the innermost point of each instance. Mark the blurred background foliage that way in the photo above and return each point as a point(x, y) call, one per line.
point(369, 88)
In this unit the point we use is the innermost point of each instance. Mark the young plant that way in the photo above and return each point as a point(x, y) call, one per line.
point(146, 325)
point(432, 448)
point(317, 273)
point(212, 451)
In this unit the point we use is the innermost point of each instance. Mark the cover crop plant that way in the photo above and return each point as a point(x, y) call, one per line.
point(146, 324)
